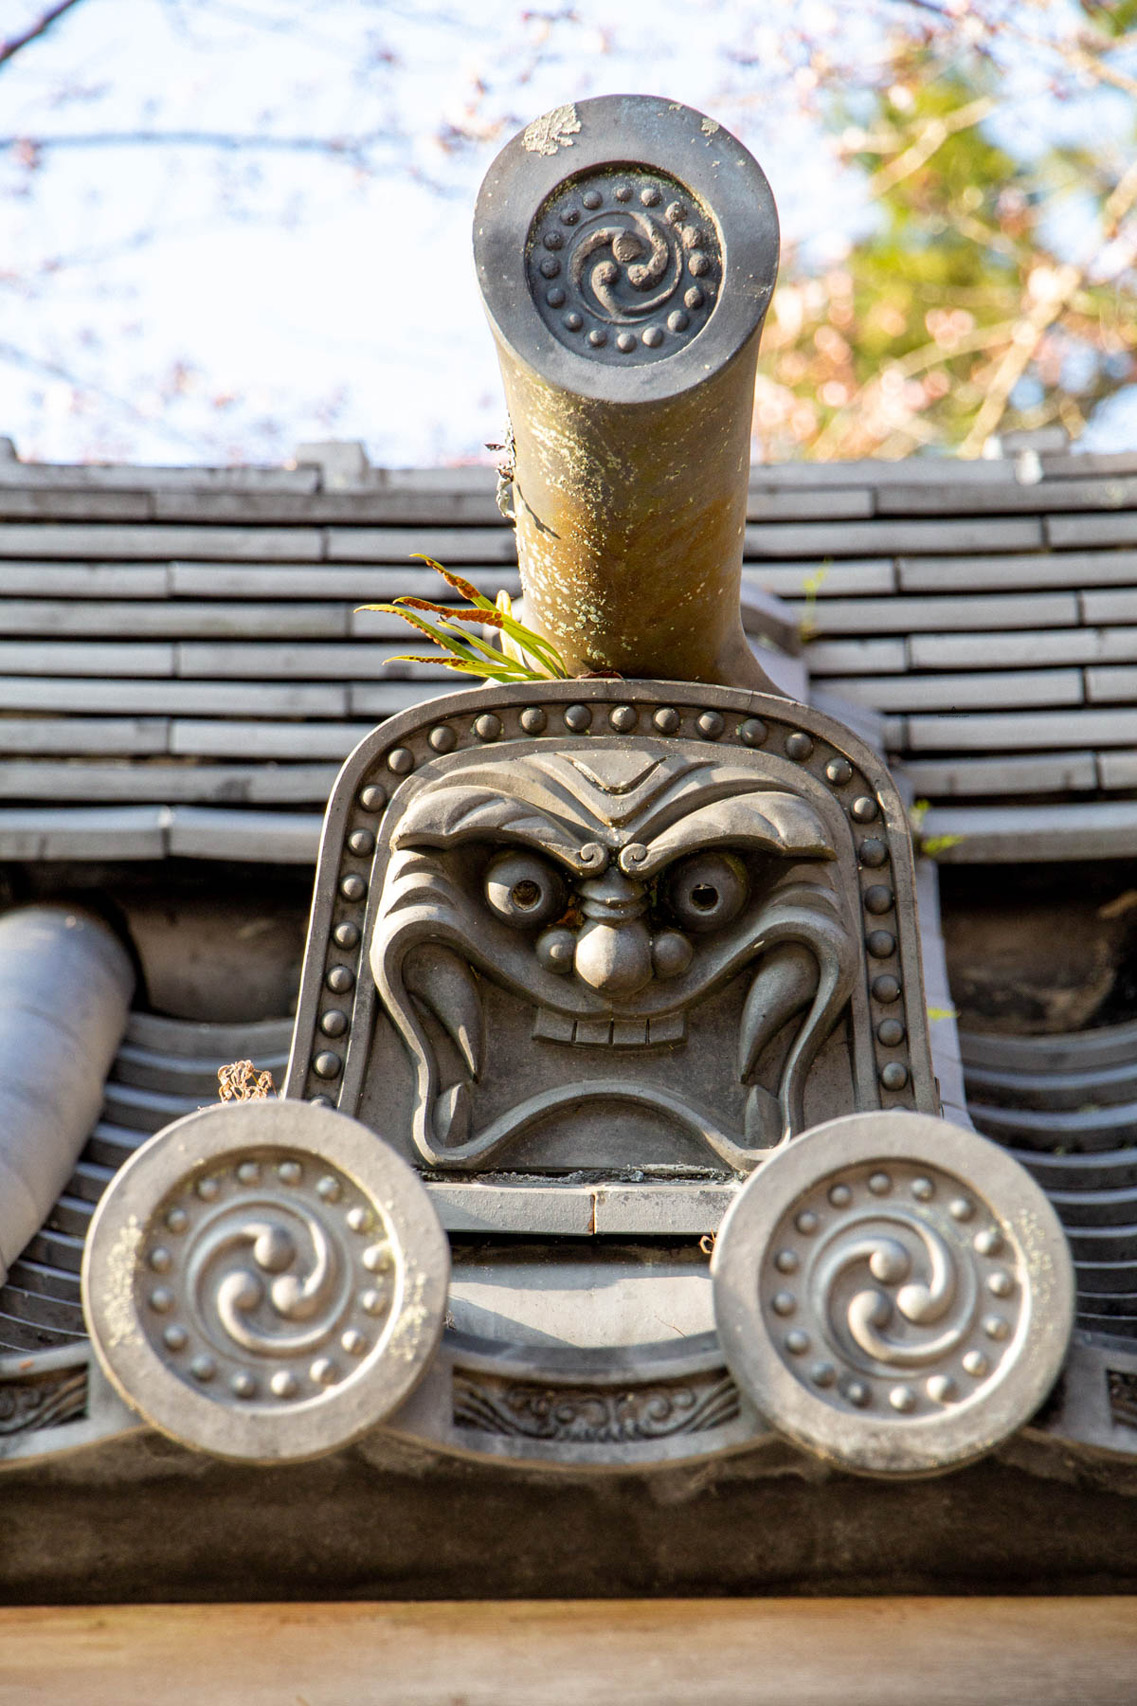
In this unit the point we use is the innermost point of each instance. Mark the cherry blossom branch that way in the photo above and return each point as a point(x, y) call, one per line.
point(10, 48)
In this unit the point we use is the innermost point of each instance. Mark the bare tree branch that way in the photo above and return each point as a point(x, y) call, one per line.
point(9, 48)
point(351, 148)
point(12, 355)
point(940, 12)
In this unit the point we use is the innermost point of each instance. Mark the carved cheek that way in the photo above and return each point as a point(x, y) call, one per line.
point(671, 954)
point(556, 950)
point(614, 958)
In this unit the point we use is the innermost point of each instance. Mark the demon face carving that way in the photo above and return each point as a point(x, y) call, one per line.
point(617, 940)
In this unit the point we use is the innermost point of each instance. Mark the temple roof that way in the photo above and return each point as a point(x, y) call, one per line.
point(182, 667)
point(182, 670)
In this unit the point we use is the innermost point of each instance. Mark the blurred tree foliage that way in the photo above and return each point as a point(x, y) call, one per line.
point(995, 293)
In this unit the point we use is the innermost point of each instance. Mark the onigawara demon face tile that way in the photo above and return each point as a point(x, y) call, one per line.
point(611, 937)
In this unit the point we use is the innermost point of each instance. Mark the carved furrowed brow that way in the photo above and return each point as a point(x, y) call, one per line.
point(776, 823)
point(453, 816)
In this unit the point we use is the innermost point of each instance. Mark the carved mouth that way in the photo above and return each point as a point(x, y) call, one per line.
point(553, 1027)
point(535, 1110)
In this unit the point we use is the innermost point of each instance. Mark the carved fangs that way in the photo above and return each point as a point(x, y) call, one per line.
point(812, 918)
point(452, 1118)
point(763, 1119)
point(447, 984)
point(786, 983)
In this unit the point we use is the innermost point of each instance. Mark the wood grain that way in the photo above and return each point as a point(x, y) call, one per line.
point(859, 1652)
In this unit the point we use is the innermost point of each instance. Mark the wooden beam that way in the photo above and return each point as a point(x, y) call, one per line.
point(776, 1652)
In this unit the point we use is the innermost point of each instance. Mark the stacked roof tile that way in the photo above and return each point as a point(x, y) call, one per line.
point(182, 666)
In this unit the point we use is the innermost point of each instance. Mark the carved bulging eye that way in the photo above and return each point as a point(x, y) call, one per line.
point(707, 890)
point(524, 890)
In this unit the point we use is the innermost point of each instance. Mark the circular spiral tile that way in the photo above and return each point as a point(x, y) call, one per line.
point(894, 1293)
point(622, 254)
point(265, 1281)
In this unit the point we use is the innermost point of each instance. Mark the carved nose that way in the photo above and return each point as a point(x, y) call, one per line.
point(615, 958)
point(613, 898)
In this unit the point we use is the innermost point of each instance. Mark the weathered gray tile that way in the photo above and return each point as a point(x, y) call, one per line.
point(900, 615)
point(779, 503)
point(1005, 650)
point(450, 546)
point(1033, 572)
point(83, 580)
point(114, 543)
point(83, 832)
point(469, 477)
point(879, 475)
point(857, 538)
point(1118, 769)
point(1062, 465)
point(362, 506)
point(384, 698)
point(564, 1210)
point(881, 733)
point(660, 1209)
point(263, 838)
point(1112, 684)
point(823, 579)
point(47, 503)
point(1111, 607)
point(235, 738)
point(375, 584)
point(1022, 732)
point(1079, 1051)
point(789, 675)
point(856, 657)
point(1066, 531)
point(402, 505)
point(172, 618)
point(97, 657)
point(973, 692)
point(258, 660)
point(202, 784)
point(134, 737)
point(1039, 773)
point(1021, 834)
point(1109, 492)
point(111, 476)
point(197, 1040)
point(765, 614)
point(169, 698)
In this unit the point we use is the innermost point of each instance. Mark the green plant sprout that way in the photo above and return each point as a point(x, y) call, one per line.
point(811, 586)
point(928, 845)
point(523, 655)
point(940, 844)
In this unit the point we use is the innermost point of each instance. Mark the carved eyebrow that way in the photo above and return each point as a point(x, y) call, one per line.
point(777, 823)
point(453, 816)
